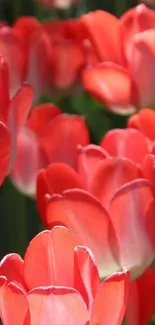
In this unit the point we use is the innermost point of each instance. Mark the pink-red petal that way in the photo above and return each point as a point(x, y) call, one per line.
point(5, 151)
point(110, 175)
point(141, 302)
point(145, 122)
point(142, 66)
point(124, 143)
point(56, 178)
point(111, 300)
point(62, 146)
point(4, 90)
point(41, 115)
point(54, 263)
point(88, 159)
point(57, 306)
point(14, 306)
point(112, 86)
point(86, 217)
point(12, 267)
point(148, 168)
point(86, 274)
point(28, 163)
point(132, 214)
point(102, 29)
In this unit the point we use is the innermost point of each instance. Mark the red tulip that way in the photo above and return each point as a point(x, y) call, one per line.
point(5, 149)
point(49, 56)
point(13, 51)
point(97, 172)
point(124, 143)
point(144, 121)
point(37, 52)
point(49, 137)
point(122, 237)
point(23, 46)
point(52, 296)
point(68, 56)
point(13, 114)
point(141, 302)
point(122, 81)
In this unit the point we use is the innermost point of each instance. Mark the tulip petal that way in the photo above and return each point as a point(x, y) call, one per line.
point(132, 214)
point(110, 175)
point(88, 159)
point(47, 250)
point(56, 178)
point(5, 150)
point(14, 306)
point(141, 302)
point(148, 168)
point(28, 163)
point(112, 86)
point(87, 219)
point(20, 107)
point(134, 21)
point(146, 122)
point(13, 50)
point(133, 122)
point(67, 61)
point(18, 112)
point(62, 146)
point(86, 274)
point(57, 306)
point(143, 51)
point(100, 25)
point(42, 115)
point(111, 300)
point(4, 90)
point(26, 26)
point(12, 267)
point(124, 143)
point(38, 61)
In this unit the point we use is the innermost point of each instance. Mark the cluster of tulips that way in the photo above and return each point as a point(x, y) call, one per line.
point(93, 264)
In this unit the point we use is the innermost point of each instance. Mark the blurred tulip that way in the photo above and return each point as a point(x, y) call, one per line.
point(49, 56)
point(48, 137)
point(123, 81)
point(37, 52)
point(13, 114)
point(144, 121)
point(73, 296)
point(5, 150)
point(68, 56)
point(124, 143)
point(23, 46)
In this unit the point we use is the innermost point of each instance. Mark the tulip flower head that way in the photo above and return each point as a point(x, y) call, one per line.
point(74, 296)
